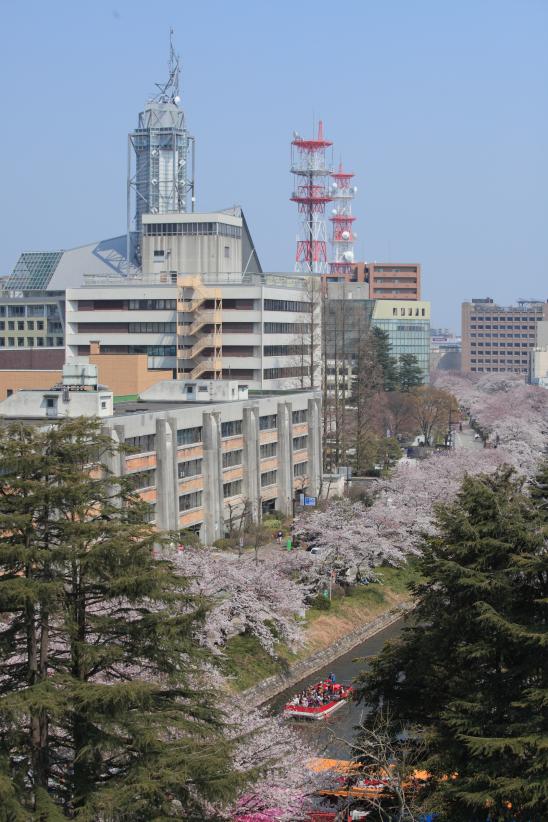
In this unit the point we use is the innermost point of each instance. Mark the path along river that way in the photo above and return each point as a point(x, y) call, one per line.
point(327, 737)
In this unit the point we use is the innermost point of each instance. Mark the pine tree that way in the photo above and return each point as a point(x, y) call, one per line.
point(471, 668)
point(103, 709)
point(381, 346)
point(409, 372)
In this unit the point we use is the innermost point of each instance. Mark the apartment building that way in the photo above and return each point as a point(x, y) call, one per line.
point(200, 464)
point(498, 339)
point(256, 328)
point(394, 281)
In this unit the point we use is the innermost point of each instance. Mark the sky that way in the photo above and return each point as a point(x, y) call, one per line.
point(438, 106)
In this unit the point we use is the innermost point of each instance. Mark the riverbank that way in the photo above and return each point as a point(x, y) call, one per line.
point(327, 634)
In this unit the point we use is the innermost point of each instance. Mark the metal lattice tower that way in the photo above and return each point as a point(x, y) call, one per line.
point(343, 236)
point(311, 193)
point(160, 159)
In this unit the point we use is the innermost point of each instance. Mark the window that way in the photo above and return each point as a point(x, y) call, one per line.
point(193, 229)
point(285, 350)
point(300, 469)
point(231, 489)
point(152, 305)
point(30, 342)
point(152, 328)
point(189, 501)
point(20, 342)
point(286, 328)
point(231, 428)
point(50, 402)
point(227, 252)
point(287, 305)
point(20, 325)
point(11, 325)
point(159, 253)
point(232, 458)
point(2, 342)
point(268, 478)
point(30, 325)
point(299, 443)
point(189, 468)
point(189, 436)
point(282, 373)
point(142, 444)
point(11, 342)
point(40, 325)
point(49, 342)
point(142, 479)
point(269, 449)
point(60, 341)
point(40, 342)
point(300, 416)
point(268, 422)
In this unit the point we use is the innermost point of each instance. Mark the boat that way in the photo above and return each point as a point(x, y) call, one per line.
point(333, 694)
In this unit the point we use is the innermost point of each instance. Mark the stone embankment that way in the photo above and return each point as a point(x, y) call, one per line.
point(274, 685)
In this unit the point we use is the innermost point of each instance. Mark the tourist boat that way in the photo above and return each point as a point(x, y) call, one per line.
point(338, 694)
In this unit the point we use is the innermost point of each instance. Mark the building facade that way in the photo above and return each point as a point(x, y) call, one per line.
point(394, 281)
point(257, 328)
point(407, 324)
point(497, 339)
point(201, 465)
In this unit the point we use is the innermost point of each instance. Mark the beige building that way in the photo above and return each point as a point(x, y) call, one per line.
point(498, 339)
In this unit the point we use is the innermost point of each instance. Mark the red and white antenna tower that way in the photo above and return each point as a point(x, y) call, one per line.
point(311, 193)
point(343, 236)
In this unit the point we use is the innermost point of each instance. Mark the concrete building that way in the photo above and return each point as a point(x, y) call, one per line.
point(386, 281)
point(250, 327)
point(497, 339)
point(32, 323)
point(202, 465)
point(538, 357)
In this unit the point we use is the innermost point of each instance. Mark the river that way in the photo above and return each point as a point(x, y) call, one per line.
point(329, 737)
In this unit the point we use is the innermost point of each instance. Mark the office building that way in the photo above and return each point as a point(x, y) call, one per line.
point(497, 339)
point(200, 464)
point(538, 357)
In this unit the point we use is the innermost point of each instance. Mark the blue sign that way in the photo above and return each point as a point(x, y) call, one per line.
point(310, 500)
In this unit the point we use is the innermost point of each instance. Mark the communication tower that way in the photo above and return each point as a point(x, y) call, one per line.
point(311, 193)
point(160, 159)
point(343, 236)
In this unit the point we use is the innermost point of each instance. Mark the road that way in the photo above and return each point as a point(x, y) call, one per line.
point(465, 438)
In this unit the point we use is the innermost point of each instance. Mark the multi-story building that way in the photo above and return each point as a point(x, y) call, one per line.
point(36, 322)
point(498, 339)
point(200, 464)
point(386, 281)
point(349, 315)
point(538, 362)
point(257, 328)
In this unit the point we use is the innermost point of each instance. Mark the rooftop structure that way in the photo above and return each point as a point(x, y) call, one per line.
point(160, 159)
point(311, 193)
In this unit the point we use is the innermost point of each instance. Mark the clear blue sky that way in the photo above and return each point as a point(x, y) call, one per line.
point(439, 107)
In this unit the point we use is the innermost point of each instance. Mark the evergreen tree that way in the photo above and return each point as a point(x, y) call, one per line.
point(103, 709)
point(409, 372)
point(384, 358)
point(471, 667)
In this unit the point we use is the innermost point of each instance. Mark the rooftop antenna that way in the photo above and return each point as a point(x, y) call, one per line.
point(169, 91)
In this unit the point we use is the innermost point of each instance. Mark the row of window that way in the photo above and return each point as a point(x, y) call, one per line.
point(526, 336)
point(152, 328)
point(281, 373)
point(189, 501)
point(142, 479)
point(507, 318)
point(149, 305)
point(300, 469)
point(287, 328)
point(232, 489)
point(268, 422)
point(232, 458)
point(39, 342)
point(231, 428)
point(299, 416)
point(269, 478)
point(409, 312)
point(31, 311)
point(508, 344)
point(285, 350)
point(300, 442)
point(189, 436)
point(287, 305)
point(21, 325)
point(514, 361)
point(189, 468)
point(195, 229)
point(496, 327)
point(269, 449)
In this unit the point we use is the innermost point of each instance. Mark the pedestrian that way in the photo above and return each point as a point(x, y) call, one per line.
point(279, 536)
